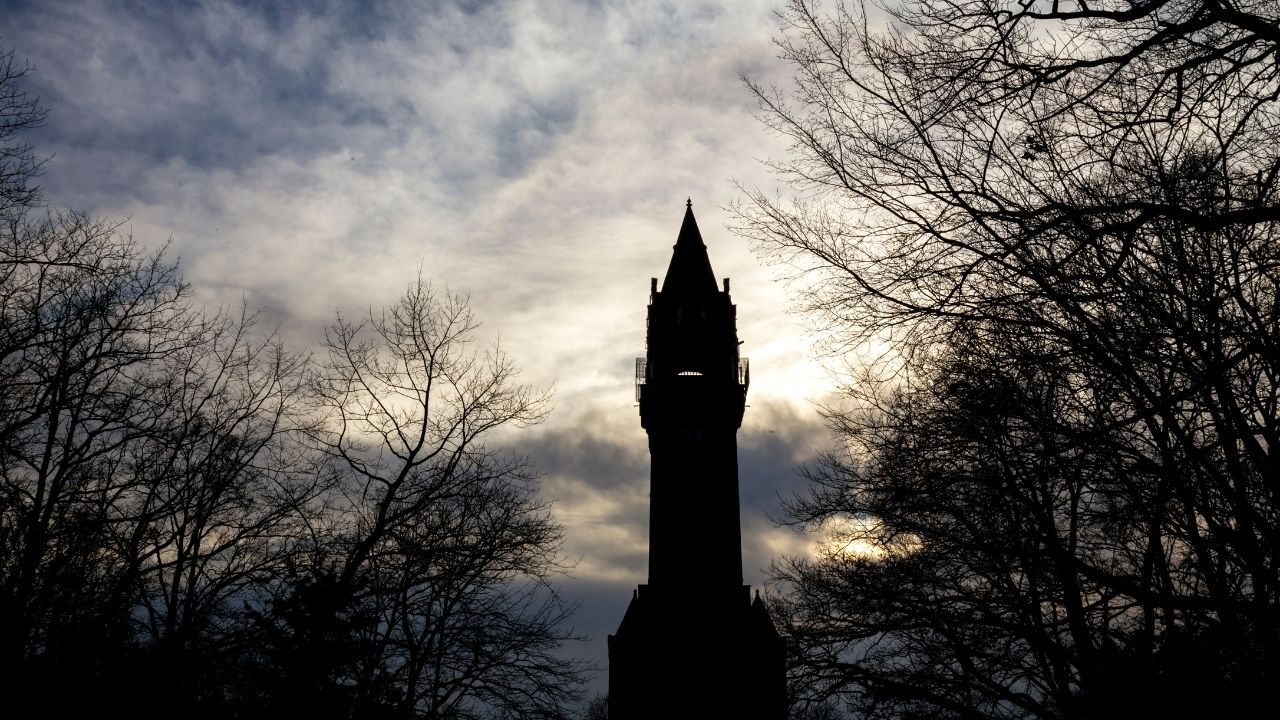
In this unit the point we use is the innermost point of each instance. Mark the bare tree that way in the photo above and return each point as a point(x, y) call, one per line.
point(18, 113)
point(86, 315)
point(444, 542)
point(151, 478)
point(222, 496)
point(151, 472)
point(1060, 220)
point(598, 708)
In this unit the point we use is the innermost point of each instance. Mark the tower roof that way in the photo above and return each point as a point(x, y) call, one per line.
point(690, 270)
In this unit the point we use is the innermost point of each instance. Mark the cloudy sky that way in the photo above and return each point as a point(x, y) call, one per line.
point(309, 157)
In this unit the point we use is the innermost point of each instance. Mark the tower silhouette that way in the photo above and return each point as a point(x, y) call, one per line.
point(692, 642)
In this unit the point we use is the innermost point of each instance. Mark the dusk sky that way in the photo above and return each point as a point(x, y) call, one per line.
point(311, 157)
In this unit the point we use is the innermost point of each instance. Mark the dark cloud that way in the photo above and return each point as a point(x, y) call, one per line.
point(597, 468)
point(584, 455)
point(600, 606)
point(223, 86)
point(774, 441)
point(528, 130)
point(364, 20)
point(600, 481)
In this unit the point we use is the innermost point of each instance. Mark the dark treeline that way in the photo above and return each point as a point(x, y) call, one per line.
point(1056, 226)
point(197, 521)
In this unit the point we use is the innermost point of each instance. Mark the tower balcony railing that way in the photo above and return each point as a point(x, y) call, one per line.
point(643, 370)
point(642, 375)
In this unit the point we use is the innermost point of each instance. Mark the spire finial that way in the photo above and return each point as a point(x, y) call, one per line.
point(689, 203)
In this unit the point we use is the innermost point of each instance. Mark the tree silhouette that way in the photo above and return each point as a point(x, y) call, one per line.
point(1060, 248)
point(152, 475)
point(597, 708)
point(449, 538)
point(18, 113)
point(86, 316)
point(196, 520)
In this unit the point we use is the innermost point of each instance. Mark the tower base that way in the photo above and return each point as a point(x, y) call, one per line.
point(680, 654)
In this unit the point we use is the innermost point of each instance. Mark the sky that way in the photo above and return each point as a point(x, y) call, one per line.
point(311, 157)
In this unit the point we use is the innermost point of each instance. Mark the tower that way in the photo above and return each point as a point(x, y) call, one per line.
point(693, 632)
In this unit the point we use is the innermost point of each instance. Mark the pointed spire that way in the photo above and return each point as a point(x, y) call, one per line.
point(690, 269)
